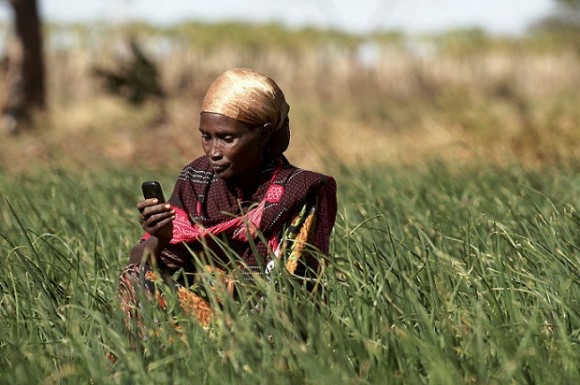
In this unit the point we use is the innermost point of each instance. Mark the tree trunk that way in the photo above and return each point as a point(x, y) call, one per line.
point(27, 92)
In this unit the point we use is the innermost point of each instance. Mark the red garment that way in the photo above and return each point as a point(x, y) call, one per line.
point(207, 206)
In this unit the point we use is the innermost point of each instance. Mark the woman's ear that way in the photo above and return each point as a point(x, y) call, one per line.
point(264, 133)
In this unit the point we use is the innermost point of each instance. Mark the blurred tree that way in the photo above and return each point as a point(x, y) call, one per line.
point(569, 3)
point(136, 79)
point(563, 25)
point(24, 64)
point(570, 8)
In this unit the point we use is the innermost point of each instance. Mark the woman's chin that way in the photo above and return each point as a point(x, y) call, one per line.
point(223, 173)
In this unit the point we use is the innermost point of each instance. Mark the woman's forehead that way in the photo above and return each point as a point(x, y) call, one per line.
point(210, 121)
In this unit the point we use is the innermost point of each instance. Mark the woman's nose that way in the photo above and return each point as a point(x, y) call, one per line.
point(215, 150)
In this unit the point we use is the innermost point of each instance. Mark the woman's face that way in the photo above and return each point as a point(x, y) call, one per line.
point(234, 149)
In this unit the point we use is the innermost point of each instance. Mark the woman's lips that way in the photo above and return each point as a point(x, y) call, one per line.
point(219, 168)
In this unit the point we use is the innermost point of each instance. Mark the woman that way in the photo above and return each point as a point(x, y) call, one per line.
point(242, 198)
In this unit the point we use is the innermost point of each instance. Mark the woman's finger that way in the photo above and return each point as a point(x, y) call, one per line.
point(159, 225)
point(156, 209)
point(141, 205)
point(150, 221)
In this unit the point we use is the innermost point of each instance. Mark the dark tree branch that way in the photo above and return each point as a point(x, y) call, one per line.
point(27, 85)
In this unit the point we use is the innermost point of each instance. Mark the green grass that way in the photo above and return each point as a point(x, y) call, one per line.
point(446, 275)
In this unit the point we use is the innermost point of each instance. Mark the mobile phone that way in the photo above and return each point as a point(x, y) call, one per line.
point(152, 189)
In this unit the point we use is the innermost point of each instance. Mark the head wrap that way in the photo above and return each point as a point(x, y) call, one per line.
point(253, 98)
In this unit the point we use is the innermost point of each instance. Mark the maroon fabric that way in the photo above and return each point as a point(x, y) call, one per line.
point(208, 206)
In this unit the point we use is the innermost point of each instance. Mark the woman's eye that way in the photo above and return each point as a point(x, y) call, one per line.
point(228, 139)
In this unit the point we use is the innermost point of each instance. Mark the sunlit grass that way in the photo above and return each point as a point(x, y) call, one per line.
point(441, 276)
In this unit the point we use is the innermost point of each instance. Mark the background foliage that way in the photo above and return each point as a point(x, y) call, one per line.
point(387, 97)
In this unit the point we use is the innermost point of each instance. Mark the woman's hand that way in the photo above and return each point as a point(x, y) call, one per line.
point(156, 218)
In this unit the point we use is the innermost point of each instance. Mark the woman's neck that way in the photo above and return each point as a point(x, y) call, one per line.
point(247, 186)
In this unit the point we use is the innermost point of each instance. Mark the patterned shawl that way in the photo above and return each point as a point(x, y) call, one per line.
point(208, 207)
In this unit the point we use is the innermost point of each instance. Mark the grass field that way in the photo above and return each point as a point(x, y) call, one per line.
point(438, 275)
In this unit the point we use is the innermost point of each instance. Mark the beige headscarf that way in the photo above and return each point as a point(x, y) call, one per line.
point(253, 98)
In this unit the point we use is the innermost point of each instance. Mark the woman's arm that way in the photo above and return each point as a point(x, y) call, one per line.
point(152, 247)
